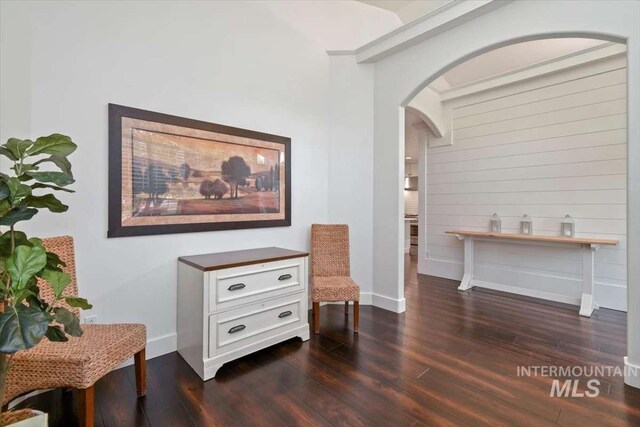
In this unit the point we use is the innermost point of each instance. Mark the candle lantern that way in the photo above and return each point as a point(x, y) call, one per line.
point(568, 226)
point(526, 225)
point(495, 224)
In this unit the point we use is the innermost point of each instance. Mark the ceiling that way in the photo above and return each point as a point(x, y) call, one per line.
point(513, 57)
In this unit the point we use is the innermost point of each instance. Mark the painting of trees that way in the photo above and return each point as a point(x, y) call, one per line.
point(219, 189)
point(234, 170)
point(137, 178)
point(185, 171)
point(169, 174)
point(154, 181)
point(216, 188)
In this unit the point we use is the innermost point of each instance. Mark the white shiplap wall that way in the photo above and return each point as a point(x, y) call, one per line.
point(547, 147)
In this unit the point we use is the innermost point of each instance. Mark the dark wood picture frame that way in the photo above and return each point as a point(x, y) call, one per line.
point(116, 228)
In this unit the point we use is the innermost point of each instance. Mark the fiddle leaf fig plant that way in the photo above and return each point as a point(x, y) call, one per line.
point(26, 317)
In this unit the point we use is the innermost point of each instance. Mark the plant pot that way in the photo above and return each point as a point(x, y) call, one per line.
point(37, 419)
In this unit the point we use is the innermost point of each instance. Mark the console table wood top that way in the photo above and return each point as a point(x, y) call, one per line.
point(538, 238)
point(222, 260)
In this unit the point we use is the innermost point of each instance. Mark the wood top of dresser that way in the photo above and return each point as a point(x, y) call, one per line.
point(222, 260)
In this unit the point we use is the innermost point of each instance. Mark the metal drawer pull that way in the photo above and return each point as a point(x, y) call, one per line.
point(236, 287)
point(285, 277)
point(237, 329)
point(285, 314)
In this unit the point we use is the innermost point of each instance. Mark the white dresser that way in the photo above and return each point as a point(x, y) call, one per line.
point(234, 303)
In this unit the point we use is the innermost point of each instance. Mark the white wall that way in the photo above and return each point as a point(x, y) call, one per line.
point(546, 147)
point(351, 162)
point(256, 65)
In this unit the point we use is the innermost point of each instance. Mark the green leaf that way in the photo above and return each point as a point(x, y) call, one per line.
point(22, 327)
point(54, 261)
point(78, 302)
point(21, 168)
point(56, 334)
point(55, 144)
point(5, 241)
point(34, 241)
point(63, 164)
point(7, 153)
point(5, 207)
point(4, 190)
point(17, 190)
point(48, 201)
point(17, 214)
point(18, 147)
point(69, 320)
point(24, 263)
point(21, 295)
point(37, 302)
point(53, 187)
point(58, 178)
point(57, 280)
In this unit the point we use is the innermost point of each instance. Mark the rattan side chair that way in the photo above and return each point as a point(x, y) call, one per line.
point(330, 271)
point(81, 361)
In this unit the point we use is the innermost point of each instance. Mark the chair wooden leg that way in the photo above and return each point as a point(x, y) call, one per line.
point(140, 360)
point(346, 307)
point(356, 315)
point(316, 317)
point(86, 401)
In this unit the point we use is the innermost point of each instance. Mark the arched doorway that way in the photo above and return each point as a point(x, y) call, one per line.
point(400, 76)
point(520, 115)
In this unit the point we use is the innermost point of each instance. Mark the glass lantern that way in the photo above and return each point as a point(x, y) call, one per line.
point(526, 225)
point(568, 226)
point(495, 224)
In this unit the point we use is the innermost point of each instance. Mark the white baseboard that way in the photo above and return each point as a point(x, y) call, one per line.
point(365, 299)
point(607, 295)
point(381, 301)
point(158, 346)
point(527, 292)
point(631, 374)
point(391, 304)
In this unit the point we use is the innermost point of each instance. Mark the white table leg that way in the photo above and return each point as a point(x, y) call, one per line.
point(588, 257)
point(467, 278)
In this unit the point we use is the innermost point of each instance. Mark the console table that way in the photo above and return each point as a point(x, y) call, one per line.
point(589, 247)
point(231, 304)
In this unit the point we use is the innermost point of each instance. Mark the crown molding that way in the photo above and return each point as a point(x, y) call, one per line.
point(433, 23)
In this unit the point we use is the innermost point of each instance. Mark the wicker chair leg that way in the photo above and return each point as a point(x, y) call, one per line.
point(140, 360)
point(356, 316)
point(86, 402)
point(346, 307)
point(316, 317)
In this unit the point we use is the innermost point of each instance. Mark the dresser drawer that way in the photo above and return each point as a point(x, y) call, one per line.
point(251, 283)
point(239, 328)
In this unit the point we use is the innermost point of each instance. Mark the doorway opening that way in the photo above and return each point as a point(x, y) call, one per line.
point(537, 128)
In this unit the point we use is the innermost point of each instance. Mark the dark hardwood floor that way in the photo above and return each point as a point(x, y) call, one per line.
point(451, 359)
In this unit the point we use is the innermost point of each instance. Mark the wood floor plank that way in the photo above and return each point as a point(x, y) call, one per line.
point(450, 360)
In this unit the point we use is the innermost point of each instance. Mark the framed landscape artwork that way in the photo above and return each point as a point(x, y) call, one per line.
point(169, 174)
